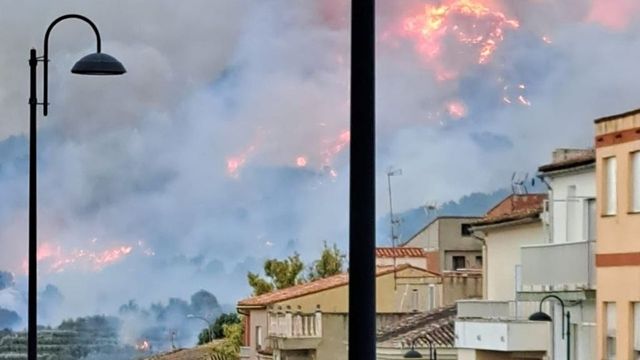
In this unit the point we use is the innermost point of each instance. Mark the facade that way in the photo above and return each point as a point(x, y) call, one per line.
point(389, 256)
point(497, 327)
point(618, 231)
point(448, 243)
point(310, 321)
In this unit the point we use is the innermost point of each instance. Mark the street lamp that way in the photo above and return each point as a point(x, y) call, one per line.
point(415, 354)
point(542, 316)
point(209, 325)
point(97, 63)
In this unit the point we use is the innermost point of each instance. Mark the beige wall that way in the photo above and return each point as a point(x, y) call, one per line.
point(390, 297)
point(444, 235)
point(420, 262)
point(334, 336)
point(470, 354)
point(460, 287)
point(616, 235)
point(503, 254)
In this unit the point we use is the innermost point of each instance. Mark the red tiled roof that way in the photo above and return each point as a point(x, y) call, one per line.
point(387, 252)
point(313, 287)
point(514, 207)
point(435, 326)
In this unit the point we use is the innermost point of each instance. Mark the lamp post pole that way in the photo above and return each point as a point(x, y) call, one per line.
point(93, 64)
point(362, 282)
point(541, 316)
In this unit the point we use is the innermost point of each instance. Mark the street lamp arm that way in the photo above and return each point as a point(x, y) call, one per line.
point(45, 57)
point(551, 296)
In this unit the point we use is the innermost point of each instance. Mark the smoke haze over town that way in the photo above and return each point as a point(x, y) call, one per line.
point(227, 140)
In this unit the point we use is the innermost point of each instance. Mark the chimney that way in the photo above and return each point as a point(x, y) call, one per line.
point(560, 155)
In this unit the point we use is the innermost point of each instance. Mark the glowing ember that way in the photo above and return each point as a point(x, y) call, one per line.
point(143, 346)
point(547, 39)
point(456, 109)
point(469, 22)
point(301, 161)
point(52, 258)
point(524, 101)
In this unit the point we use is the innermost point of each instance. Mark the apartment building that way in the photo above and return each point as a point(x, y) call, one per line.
point(497, 327)
point(563, 265)
point(448, 244)
point(617, 145)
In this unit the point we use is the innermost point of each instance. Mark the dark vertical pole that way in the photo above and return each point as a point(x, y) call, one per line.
point(362, 291)
point(568, 335)
point(32, 328)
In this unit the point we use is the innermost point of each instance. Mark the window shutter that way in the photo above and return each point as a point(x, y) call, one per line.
point(635, 181)
point(611, 166)
point(611, 319)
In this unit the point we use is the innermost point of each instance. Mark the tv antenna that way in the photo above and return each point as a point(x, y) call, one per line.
point(394, 222)
point(519, 183)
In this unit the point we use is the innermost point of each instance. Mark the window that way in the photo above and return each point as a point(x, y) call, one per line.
point(432, 297)
point(610, 186)
point(465, 229)
point(636, 330)
point(591, 219)
point(610, 333)
point(458, 262)
point(635, 181)
point(414, 300)
point(479, 261)
point(258, 337)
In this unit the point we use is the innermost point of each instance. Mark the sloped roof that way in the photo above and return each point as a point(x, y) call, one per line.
point(315, 287)
point(514, 207)
point(577, 161)
point(387, 252)
point(436, 326)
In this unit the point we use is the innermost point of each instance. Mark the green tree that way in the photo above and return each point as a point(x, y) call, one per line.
point(230, 347)
point(216, 330)
point(331, 263)
point(281, 274)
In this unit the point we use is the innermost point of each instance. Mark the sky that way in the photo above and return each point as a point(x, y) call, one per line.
point(227, 140)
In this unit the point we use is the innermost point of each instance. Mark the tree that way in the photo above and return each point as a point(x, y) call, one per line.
point(281, 273)
point(330, 263)
point(216, 330)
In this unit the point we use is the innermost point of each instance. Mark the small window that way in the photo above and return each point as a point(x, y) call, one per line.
point(610, 341)
point(479, 261)
point(432, 297)
point(459, 262)
point(465, 229)
point(258, 337)
point(610, 186)
point(591, 219)
point(414, 300)
point(635, 181)
point(636, 329)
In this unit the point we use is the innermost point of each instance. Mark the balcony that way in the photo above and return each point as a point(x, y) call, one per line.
point(295, 331)
point(500, 326)
point(560, 268)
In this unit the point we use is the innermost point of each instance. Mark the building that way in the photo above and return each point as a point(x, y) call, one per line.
point(497, 327)
point(617, 145)
point(415, 256)
point(309, 321)
point(563, 264)
point(448, 244)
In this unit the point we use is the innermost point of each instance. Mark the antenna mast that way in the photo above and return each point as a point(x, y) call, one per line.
point(393, 221)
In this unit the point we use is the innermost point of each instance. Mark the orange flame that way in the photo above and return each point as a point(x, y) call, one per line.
point(457, 109)
point(484, 32)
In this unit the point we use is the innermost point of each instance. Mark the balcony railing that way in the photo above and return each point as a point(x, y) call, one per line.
point(558, 267)
point(295, 325)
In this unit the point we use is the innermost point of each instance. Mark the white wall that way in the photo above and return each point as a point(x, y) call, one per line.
point(503, 254)
point(569, 206)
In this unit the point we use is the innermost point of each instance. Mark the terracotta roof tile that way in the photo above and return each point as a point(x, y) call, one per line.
point(386, 252)
point(514, 207)
point(436, 325)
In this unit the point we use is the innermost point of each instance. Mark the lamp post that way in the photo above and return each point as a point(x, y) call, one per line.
point(97, 63)
point(415, 354)
point(209, 325)
point(362, 280)
point(542, 316)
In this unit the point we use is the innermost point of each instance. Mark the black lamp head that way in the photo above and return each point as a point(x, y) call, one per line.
point(412, 354)
point(540, 316)
point(98, 64)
